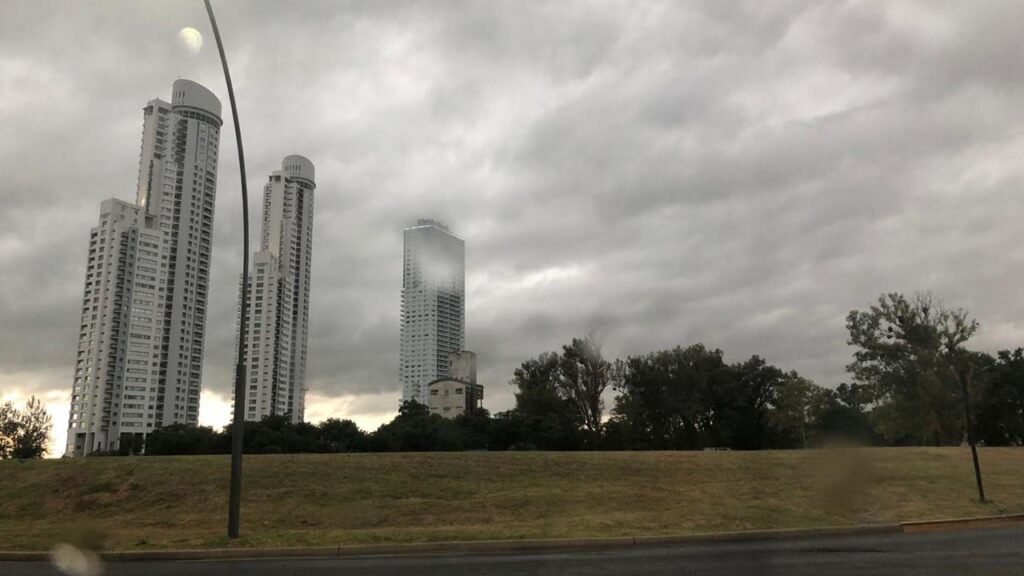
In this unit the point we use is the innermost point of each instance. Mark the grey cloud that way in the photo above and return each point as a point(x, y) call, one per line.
point(738, 173)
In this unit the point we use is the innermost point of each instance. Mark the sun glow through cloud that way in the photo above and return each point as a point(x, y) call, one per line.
point(191, 40)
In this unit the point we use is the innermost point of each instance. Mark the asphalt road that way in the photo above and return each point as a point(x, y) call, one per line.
point(989, 552)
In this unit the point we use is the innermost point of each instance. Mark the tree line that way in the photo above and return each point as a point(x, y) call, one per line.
point(909, 376)
point(913, 381)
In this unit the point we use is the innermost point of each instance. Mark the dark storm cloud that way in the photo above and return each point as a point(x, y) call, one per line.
point(738, 173)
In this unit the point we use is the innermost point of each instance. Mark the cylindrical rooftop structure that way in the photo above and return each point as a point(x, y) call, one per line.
point(191, 94)
point(295, 166)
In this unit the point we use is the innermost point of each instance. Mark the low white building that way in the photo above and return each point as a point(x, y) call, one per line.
point(450, 398)
point(459, 393)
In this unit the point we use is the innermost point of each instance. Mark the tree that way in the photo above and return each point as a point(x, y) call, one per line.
point(475, 429)
point(662, 403)
point(1000, 400)
point(536, 382)
point(911, 361)
point(184, 439)
point(10, 427)
point(507, 431)
point(130, 444)
point(276, 434)
point(336, 435)
point(415, 429)
point(272, 435)
point(543, 419)
point(913, 353)
point(843, 417)
point(795, 409)
point(583, 376)
point(738, 402)
point(689, 398)
point(24, 433)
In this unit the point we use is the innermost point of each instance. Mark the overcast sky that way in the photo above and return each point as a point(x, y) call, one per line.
point(735, 173)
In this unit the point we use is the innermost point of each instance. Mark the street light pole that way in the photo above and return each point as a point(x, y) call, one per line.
point(963, 374)
point(238, 424)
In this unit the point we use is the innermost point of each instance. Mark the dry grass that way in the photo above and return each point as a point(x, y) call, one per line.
point(295, 500)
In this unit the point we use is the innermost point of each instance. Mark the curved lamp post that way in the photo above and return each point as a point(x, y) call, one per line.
point(238, 424)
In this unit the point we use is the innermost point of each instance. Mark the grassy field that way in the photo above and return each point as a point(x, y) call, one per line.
point(295, 500)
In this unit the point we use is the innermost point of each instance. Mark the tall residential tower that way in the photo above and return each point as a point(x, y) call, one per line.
point(433, 306)
point(140, 347)
point(277, 327)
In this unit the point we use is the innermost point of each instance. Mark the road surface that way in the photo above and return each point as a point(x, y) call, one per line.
point(989, 552)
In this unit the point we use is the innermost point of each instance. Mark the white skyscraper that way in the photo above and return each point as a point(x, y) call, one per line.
point(140, 350)
point(278, 322)
point(433, 306)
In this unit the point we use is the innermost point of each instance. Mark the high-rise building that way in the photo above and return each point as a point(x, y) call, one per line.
point(278, 323)
point(140, 347)
point(433, 306)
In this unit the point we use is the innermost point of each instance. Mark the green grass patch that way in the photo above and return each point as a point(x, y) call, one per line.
point(298, 500)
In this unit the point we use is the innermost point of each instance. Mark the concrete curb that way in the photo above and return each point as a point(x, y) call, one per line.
point(962, 523)
point(526, 546)
point(469, 547)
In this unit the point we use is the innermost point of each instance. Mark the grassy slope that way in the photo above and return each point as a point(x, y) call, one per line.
point(292, 500)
